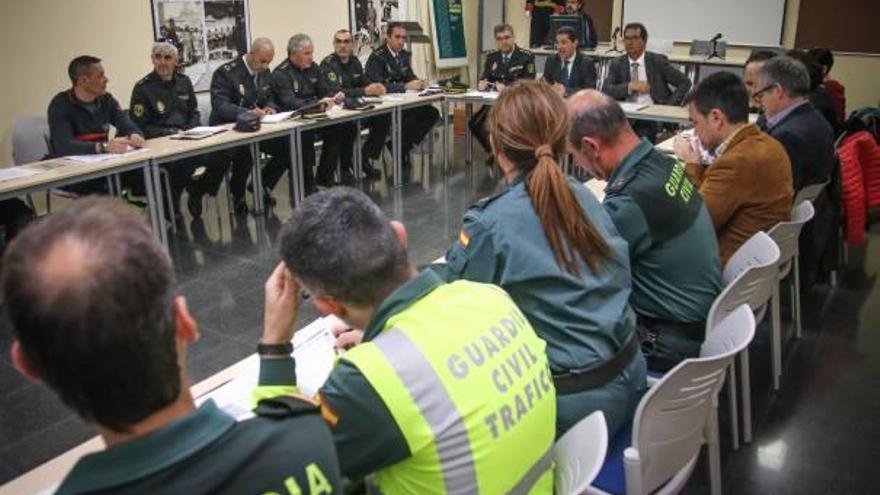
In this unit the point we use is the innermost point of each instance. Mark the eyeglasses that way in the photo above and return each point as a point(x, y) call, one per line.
point(632, 38)
point(339, 41)
point(757, 95)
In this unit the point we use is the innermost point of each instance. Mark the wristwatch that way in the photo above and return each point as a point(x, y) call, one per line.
point(102, 147)
point(274, 349)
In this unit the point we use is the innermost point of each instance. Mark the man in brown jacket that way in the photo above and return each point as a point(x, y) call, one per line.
point(748, 188)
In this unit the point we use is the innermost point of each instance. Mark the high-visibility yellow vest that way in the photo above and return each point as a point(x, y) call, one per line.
point(468, 382)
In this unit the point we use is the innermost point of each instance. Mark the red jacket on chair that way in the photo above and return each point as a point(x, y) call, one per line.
point(860, 170)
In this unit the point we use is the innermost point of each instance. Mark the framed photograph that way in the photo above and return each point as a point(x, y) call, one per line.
point(207, 33)
point(368, 18)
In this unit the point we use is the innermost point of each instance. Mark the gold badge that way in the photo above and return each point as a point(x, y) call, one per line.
point(241, 89)
point(494, 65)
point(138, 110)
point(160, 107)
point(332, 77)
point(531, 67)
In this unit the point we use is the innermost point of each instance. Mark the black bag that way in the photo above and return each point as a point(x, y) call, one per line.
point(247, 122)
point(356, 104)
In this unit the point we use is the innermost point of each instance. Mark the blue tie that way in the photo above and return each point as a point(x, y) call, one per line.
point(563, 77)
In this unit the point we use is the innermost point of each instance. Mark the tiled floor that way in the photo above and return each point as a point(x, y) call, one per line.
point(816, 436)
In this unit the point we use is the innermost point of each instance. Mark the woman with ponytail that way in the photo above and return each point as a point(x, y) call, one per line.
point(548, 242)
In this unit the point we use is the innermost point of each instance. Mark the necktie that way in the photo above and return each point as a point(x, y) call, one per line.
point(564, 77)
point(634, 77)
point(506, 60)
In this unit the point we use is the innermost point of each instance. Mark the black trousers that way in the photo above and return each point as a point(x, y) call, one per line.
point(239, 158)
point(417, 122)
point(338, 147)
point(540, 26)
point(479, 127)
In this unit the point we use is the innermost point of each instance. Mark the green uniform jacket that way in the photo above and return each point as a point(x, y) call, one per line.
point(676, 269)
point(585, 319)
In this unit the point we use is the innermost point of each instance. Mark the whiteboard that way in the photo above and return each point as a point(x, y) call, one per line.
point(491, 15)
point(751, 22)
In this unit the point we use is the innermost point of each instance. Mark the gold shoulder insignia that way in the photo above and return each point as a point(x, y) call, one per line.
point(138, 110)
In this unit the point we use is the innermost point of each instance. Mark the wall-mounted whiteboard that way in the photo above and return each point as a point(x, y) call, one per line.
point(757, 22)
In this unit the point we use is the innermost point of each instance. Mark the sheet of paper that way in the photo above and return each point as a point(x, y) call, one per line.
point(491, 95)
point(314, 354)
point(101, 157)
point(392, 98)
point(14, 173)
point(276, 117)
point(597, 187)
point(234, 396)
point(632, 107)
point(204, 129)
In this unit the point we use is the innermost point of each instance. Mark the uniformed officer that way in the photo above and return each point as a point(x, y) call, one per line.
point(552, 247)
point(119, 361)
point(297, 83)
point(81, 118)
point(238, 86)
point(164, 103)
point(345, 73)
point(504, 65)
point(391, 65)
point(673, 250)
point(449, 391)
point(539, 11)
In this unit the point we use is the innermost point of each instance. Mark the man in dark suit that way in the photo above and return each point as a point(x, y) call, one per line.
point(644, 77)
point(569, 70)
point(504, 65)
point(783, 94)
point(242, 85)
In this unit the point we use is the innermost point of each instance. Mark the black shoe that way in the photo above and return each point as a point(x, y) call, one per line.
point(194, 202)
point(405, 168)
point(324, 182)
point(268, 199)
point(371, 173)
point(239, 206)
point(347, 177)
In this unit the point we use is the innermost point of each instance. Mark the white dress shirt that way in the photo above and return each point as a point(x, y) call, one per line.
point(641, 99)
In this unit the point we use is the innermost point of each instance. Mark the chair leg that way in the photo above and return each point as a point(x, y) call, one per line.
point(746, 395)
point(776, 337)
point(796, 300)
point(714, 450)
point(731, 401)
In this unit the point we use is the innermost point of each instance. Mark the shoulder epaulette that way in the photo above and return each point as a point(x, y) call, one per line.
point(230, 65)
point(285, 406)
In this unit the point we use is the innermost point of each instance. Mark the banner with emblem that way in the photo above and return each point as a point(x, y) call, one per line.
point(207, 33)
point(367, 21)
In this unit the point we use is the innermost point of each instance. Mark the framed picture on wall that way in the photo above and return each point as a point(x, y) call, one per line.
point(367, 20)
point(207, 33)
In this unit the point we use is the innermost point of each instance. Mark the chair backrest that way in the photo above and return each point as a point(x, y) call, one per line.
point(579, 455)
point(670, 422)
point(811, 192)
point(786, 234)
point(204, 102)
point(749, 277)
point(30, 139)
point(731, 334)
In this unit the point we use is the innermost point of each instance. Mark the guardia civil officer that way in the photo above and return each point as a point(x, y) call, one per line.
point(80, 119)
point(548, 243)
point(391, 65)
point(164, 103)
point(120, 362)
point(345, 73)
point(676, 266)
point(238, 86)
point(298, 83)
point(449, 390)
point(504, 65)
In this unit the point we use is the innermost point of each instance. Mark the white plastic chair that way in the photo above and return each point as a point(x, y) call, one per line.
point(786, 236)
point(749, 277)
point(679, 414)
point(810, 193)
point(579, 455)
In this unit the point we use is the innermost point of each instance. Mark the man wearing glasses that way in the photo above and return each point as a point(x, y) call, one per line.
point(344, 73)
point(391, 65)
point(644, 77)
point(504, 65)
point(164, 103)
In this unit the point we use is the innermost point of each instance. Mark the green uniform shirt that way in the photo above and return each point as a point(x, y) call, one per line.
point(676, 269)
point(584, 319)
point(288, 451)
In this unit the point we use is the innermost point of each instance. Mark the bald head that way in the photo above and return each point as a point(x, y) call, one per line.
point(261, 45)
point(260, 56)
point(596, 115)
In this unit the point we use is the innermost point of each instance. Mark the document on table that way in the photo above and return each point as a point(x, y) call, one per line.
point(102, 157)
point(234, 396)
point(276, 117)
point(14, 173)
point(490, 95)
point(632, 107)
point(392, 98)
point(200, 132)
point(314, 352)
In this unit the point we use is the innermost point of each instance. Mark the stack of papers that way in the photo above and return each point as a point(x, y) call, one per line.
point(14, 173)
point(276, 117)
point(632, 107)
point(491, 95)
point(103, 156)
point(314, 352)
point(200, 132)
point(392, 98)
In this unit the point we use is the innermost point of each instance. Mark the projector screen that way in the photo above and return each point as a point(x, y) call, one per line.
point(751, 22)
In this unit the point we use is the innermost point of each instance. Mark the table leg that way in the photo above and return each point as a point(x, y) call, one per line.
point(256, 178)
point(396, 136)
point(691, 72)
point(153, 188)
point(358, 155)
point(468, 137)
point(446, 133)
point(297, 172)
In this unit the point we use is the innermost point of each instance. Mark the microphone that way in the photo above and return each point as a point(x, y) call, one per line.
point(616, 33)
point(716, 38)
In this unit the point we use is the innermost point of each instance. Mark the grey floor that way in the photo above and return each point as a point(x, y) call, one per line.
point(815, 436)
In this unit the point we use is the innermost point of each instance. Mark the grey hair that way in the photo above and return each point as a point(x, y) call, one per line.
point(297, 42)
point(601, 118)
point(790, 74)
point(260, 43)
point(163, 47)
